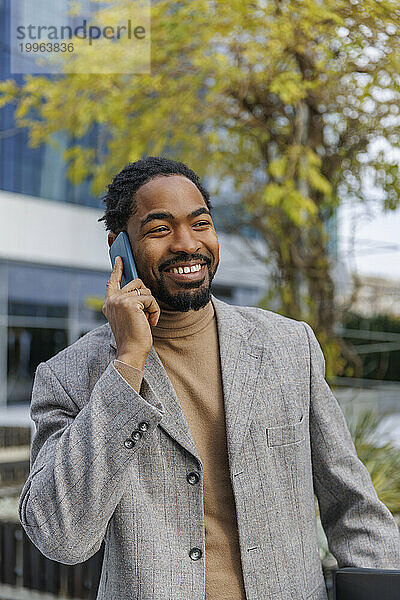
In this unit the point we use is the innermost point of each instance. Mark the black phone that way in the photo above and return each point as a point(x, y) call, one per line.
point(122, 247)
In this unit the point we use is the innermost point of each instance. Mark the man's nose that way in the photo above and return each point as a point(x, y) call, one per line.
point(184, 240)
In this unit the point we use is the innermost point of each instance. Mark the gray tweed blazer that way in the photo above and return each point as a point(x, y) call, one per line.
point(286, 439)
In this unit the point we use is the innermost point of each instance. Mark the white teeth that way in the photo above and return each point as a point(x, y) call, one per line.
point(191, 269)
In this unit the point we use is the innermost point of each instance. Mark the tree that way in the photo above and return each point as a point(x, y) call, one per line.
point(282, 98)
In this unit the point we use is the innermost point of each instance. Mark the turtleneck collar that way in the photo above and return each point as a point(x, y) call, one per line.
point(174, 323)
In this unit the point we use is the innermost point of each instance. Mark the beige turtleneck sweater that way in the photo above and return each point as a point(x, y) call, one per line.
point(187, 344)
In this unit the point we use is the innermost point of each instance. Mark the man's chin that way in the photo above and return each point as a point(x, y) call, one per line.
point(184, 301)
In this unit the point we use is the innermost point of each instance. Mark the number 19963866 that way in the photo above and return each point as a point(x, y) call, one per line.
point(46, 47)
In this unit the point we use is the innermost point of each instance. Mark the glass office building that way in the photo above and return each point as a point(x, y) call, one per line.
point(34, 171)
point(47, 309)
point(43, 307)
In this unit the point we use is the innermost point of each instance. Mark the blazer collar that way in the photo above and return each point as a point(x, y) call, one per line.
point(240, 362)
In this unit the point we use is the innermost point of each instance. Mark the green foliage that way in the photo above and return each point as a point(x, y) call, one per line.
point(381, 460)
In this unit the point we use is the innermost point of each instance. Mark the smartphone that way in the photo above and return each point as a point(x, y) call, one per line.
point(122, 247)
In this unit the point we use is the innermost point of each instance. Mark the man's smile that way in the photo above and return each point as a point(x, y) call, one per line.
point(193, 273)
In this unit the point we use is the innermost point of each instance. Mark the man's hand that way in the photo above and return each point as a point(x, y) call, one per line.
point(129, 316)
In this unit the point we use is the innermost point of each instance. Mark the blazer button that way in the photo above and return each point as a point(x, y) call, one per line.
point(195, 553)
point(129, 443)
point(143, 426)
point(192, 477)
point(136, 435)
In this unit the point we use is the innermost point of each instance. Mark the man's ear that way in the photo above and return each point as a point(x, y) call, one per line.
point(111, 238)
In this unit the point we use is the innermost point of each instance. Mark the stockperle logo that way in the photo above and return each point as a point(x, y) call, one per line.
point(111, 37)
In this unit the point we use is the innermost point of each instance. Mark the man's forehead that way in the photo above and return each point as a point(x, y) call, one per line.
point(166, 186)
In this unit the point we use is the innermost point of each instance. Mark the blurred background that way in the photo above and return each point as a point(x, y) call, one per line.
point(289, 112)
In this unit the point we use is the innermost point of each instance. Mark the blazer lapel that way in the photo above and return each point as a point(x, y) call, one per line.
point(240, 367)
point(243, 353)
point(174, 421)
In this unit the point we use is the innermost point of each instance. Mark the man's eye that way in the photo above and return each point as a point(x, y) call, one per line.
point(163, 227)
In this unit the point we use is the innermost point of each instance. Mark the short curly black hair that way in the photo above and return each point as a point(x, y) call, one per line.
point(120, 198)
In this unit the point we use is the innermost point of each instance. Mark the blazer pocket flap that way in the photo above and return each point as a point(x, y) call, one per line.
point(286, 434)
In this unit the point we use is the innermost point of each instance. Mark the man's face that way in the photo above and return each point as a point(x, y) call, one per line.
point(171, 240)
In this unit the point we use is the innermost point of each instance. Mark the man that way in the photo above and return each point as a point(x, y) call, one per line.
point(189, 434)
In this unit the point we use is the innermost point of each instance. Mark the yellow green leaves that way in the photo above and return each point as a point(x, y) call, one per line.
point(298, 208)
point(289, 87)
point(277, 168)
point(273, 194)
point(78, 158)
point(310, 170)
point(291, 175)
point(318, 181)
point(8, 92)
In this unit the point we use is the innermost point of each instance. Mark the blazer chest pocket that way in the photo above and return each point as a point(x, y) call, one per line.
point(286, 434)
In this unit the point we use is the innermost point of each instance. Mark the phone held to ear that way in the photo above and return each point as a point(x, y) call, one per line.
point(122, 247)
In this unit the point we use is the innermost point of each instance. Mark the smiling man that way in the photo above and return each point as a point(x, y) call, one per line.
point(189, 434)
point(164, 263)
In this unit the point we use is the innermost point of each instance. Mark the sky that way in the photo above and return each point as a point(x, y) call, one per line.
point(376, 234)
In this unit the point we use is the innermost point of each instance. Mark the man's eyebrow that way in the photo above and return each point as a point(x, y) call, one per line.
point(170, 216)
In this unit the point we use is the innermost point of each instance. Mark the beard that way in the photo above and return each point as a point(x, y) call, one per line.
point(197, 296)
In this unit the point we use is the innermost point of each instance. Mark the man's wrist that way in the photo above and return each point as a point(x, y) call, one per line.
point(134, 361)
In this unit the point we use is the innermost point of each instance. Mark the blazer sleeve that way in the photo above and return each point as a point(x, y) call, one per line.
point(131, 374)
point(360, 529)
point(79, 462)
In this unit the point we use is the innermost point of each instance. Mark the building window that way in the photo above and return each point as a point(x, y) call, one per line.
point(26, 348)
point(43, 310)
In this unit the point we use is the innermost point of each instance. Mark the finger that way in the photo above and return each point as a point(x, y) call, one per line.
point(153, 320)
point(114, 282)
point(151, 307)
point(135, 283)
